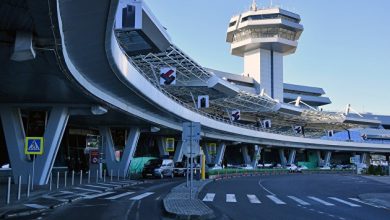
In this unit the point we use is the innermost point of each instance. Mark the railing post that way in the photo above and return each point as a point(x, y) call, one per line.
point(104, 176)
point(81, 177)
point(89, 176)
point(97, 176)
point(111, 176)
point(65, 177)
point(72, 177)
point(28, 185)
point(19, 186)
point(9, 191)
point(118, 175)
point(58, 180)
point(50, 181)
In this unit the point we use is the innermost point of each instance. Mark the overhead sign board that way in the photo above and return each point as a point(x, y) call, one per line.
point(33, 146)
point(188, 152)
point(170, 144)
point(168, 76)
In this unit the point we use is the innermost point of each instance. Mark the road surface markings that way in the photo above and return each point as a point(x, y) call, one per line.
point(89, 190)
point(298, 200)
point(366, 203)
point(345, 202)
point(36, 206)
point(261, 185)
point(209, 197)
point(109, 184)
point(142, 196)
point(99, 187)
point(120, 195)
point(276, 200)
point(231, 198)
point(320, 201)
point(253, 199)
point(98, 195)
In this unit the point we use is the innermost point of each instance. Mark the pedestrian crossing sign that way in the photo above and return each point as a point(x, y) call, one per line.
point(33, 145)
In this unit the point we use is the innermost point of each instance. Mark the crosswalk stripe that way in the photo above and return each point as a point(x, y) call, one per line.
point(320, 201)
point(209, 197)
point(36, 206)
point(366, 203)
point(141, 196)
point(120, 195)
point(98, 195)
point(100, 187)
point(108, 184)
point(276, 200)
point(345, 202)
point(298, 200)
point(253, 199)
point(89, 190)
point(231, 198)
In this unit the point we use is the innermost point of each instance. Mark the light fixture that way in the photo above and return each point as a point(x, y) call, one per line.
point(98, 110)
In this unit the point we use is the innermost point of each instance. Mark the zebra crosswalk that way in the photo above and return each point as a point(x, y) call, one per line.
point(284, 200)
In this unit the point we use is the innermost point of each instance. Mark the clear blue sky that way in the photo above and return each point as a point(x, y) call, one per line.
point(344, 48)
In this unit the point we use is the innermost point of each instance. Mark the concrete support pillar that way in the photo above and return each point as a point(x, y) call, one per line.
point(220, 153)
point(245, 155)
point(15, 139)
point(328, 155)
point(162, 147)
point(178, 157)
point(131, 145)
point(256, 156)
point(282, 157)
point(23, 49)
point(319, 158)
point(207, 154)
point(291, 156)
point(363, 158)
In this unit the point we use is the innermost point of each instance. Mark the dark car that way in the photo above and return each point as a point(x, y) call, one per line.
point(158, 168)
point(179, 169)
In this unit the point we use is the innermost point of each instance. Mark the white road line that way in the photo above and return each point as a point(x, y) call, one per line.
point(89, 190)
point(99, 187)
point(98, 195)
point(276, 200)
point(345, 202)
point(36, 206)
point(366, 203)
point(320, 201)
point(261, 185)
point(298, 200)
point(108, 184)
point(120, 195)
point(142, 196)
point(253, 199)
point(231, 198)
point(209, 197)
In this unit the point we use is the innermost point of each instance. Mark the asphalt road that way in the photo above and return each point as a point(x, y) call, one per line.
point(143, 201)
point(297, 196)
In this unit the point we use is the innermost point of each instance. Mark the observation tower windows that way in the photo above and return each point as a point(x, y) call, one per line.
point(269, 16)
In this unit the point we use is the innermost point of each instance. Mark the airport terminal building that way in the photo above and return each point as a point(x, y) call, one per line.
point(85, 85)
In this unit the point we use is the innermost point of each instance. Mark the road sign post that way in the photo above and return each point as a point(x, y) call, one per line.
point(191, 137)
point(33, 146)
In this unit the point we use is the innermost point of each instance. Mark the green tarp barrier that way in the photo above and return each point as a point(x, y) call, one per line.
point(137, 164)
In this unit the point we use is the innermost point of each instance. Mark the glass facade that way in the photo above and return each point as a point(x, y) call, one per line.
point(265, 32)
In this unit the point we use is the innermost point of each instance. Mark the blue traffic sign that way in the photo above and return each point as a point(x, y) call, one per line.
point(33, 145)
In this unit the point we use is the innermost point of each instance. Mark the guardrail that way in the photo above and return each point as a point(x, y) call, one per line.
point(228, 173)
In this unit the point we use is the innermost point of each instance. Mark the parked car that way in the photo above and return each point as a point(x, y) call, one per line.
point(301, 168)
point(246, 167)
point(215, 167)
point(291, 167)
point(179, 169)
point(325, 168)
point(158, 168)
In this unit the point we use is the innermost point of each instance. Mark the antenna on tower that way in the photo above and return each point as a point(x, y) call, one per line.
point(254, 6)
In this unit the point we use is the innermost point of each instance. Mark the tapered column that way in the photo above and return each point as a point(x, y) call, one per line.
point(220, 153)
point(283, 160)
point(15, 139)
point(291, 156)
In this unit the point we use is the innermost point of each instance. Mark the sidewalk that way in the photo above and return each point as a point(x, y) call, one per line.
point(42, 199)
point(378, 199)
point(179, 204)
